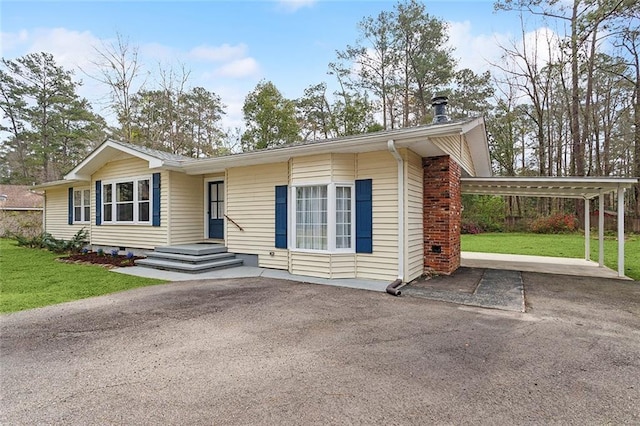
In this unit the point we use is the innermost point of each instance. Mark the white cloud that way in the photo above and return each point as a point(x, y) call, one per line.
point(224, 52)
point(11, 41)
point(541, 46)
point(231, 76)
point(240, 68)
point(294, 5)
point(71, 49)
point(476, 52)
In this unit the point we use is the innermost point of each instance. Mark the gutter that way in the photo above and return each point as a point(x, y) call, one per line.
point(394, 286)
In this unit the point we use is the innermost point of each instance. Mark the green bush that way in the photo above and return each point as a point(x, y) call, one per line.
point(558, 223)
point(47, 241)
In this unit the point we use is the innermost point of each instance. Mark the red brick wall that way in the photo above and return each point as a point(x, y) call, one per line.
point(442, 208)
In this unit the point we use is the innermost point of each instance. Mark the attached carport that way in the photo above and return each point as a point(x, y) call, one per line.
point(586, 188)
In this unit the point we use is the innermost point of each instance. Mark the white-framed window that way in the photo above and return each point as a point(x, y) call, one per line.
point(81, 205)
point(323, 217)
point(127, 201)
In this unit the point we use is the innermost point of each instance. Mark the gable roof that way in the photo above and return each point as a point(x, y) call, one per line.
point(464, 140)
point(110, 150)
point(19, 197)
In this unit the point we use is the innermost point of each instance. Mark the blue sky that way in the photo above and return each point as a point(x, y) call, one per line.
point(230, 46)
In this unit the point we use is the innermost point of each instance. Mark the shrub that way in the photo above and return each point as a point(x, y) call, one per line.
point(470, 228)
point(47, 241)
point(36, 241)
point(130, 255)
point(114, 252)
point(100, 252)
point(555, 224)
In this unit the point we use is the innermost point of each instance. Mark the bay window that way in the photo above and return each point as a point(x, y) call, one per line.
point(323, 217)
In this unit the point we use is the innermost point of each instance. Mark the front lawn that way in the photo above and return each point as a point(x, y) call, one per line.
point(31, 278)
point(559, 245)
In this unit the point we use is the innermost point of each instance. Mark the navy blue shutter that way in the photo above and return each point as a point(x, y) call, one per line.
point(281, 216)
point(98, 202)
point(70, 218)
point(364, 216)
point(156, 199)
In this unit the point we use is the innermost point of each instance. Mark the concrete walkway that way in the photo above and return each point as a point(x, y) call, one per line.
point(497, 289)
point(540, 264)
point(251, 271)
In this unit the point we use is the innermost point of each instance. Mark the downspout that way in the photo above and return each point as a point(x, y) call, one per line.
point(44, 212)
point(394, 287)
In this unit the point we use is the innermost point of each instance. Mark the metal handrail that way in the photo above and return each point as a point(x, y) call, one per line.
point(234, 222)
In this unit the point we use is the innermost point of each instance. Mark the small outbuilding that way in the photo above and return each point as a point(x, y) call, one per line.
point(21, 211)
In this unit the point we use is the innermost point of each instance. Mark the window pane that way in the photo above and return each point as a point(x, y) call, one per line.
point(311, 217)
point(124, 212)
point(220, 210)
point(124, 191)
point(107, 213)
point(343, 217)
point(106, 190)
point(87, 197)
point(221, 192)
point(87, 214)
point(77, 198)
point(143, 212)
point(143, 190)
point(77, 214)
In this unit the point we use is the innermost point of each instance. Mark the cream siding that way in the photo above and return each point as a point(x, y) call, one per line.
point(57, 213)
point(214, 176)
point(467, 160)
point(382, 168)
point(414, 259)
point(458, 149)
point(323, 265)
point(311, 170)
point(131, 236)
point(311, 264)
point(343, 167)
point(251, 204)
point(343, 265)
point(186, 208)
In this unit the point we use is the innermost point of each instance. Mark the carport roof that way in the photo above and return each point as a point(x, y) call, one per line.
point(562, 187)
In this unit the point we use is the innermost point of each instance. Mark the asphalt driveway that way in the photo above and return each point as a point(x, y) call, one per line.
point(264, 351)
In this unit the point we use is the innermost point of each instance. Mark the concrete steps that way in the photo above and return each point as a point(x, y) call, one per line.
point(190, 258)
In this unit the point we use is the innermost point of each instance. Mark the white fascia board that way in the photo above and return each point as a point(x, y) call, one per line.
point(53, 184)
point(355, 144)
point(85, 169)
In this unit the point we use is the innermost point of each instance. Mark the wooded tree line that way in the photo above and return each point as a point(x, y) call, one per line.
point(564, 103)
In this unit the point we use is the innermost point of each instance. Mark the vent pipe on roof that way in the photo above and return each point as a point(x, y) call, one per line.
point(439, 104)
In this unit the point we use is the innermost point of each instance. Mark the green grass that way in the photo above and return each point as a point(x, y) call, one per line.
point(559, 245)
point(31, 278)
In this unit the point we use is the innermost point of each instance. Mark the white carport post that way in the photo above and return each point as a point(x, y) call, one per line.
point(601, 230)
point(587, 230)
point(620, 231)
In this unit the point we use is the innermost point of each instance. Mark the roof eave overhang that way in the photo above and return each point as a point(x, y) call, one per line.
point(101, 155)
point(56, 183)
point(360, 143)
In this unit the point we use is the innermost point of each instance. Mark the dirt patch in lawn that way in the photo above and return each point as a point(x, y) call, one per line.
point(102, 259)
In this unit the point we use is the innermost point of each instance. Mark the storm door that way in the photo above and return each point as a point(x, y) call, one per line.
point(216, 210)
